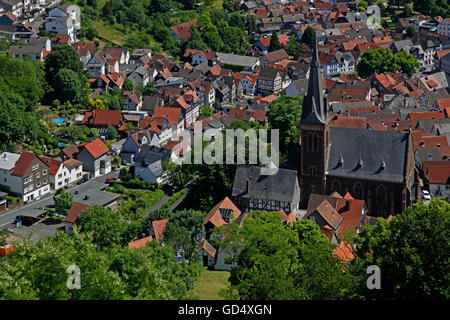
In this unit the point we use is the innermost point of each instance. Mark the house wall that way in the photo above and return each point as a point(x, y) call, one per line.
point(220, 260)
point(12, 183)
point(66, 176)
point(440, 190)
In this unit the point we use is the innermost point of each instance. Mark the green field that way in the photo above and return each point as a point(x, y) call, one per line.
point(209, 284)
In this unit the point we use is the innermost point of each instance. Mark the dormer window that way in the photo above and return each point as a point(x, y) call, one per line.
point(35, 167)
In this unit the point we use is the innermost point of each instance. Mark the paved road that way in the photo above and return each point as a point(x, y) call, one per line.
point(36, 208)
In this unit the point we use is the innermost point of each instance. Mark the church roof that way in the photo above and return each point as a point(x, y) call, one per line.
point(368, 154)
point(315, 107)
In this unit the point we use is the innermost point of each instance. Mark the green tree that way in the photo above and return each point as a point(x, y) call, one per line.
point(284, 114)
point(411, 31)
point(68, 86)
point(274, 42)
point(309, 36)
point(62, 57)
point(112, 132)
point(206, 111)
point(63, 202)
point(406, 63)
point(128, 85)
point(149, 90)
point(277, 261)
point(105, 224)
point(412, 252)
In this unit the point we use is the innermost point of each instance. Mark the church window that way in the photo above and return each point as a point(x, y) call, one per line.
point(358, 191)
point(380, 194)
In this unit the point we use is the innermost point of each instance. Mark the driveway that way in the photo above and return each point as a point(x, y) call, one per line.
point(79, 192)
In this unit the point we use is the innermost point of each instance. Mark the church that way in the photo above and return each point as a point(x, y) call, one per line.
point(375, 166)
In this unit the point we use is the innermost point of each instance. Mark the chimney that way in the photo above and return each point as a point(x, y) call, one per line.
point(248, 186)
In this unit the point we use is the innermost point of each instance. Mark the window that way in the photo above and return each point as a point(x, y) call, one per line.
point(38, 175)
point(309, 145)
point(35, 167)
point(312, 188)
point(336, 186)
point(316, 144)
point(358, 191)
point(38, 184)
point(312, 170)
point(380, 194)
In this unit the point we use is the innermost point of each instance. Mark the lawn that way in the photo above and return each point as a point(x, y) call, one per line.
point(209, 284)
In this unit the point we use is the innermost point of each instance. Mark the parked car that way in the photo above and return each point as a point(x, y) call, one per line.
point(108, 180)
point(426, 195)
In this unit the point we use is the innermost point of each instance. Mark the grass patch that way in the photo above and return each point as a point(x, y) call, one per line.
point(209, 284)
point(137, 202)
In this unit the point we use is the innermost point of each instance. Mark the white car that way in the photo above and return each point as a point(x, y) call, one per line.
point(426, 195)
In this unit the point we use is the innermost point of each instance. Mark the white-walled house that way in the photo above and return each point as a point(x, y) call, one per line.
point(64, 20)
point(63, 173)
point(94, 157)
point(25, 175)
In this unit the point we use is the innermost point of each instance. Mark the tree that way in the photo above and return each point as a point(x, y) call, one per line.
point(112, 132)
point(284, 114)
point(291, 47)
point(68, 86)
point(274, 42)
point(128, 85)
point(406, 63)
point(63, 202)
point(149, 90)
point(277, 262)
point(411, 31)
point(411, 250)
point(206, 111)
point(62, 57)
point(309, 36)
point(160, 5)
point(106, 226)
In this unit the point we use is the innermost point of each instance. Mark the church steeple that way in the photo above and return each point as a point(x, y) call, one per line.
point(315, 106)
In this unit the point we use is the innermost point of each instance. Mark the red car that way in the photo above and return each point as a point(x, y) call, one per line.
point(110, 179)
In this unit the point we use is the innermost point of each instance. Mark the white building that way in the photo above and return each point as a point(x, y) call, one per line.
point(444, 27)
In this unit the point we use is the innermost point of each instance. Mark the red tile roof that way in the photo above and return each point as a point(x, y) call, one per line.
point(103, 118)
point(439, 174)
point(140, 242)
point(52, 164)
point(158, 228)
point(415, 116)
point(75, 210)
point(172, 114)
point(214, 216)
point(350, 122)
point(23, 163)
point(96, 148)
point(443, 103)
point(183, 30)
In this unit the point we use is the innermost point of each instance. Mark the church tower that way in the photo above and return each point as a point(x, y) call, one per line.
point(314, 135)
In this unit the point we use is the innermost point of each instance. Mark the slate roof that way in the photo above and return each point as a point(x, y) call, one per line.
point(373, 150)
point(282, 186)
point(8, 160)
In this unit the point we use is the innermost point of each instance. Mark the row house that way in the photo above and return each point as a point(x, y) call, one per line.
point(269, 81)
point(135, 141)
point(64, 20)
point(25, 175)
point(63, 173)
point(132, 100)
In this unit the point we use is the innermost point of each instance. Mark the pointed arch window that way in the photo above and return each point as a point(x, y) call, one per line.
point(381, 194)
point(358, 192)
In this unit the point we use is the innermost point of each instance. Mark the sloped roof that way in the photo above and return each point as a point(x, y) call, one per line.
point(23, 163)
point(158, 227)
point(282, 186)
point(329, 214)
point(205, 245)
point(75, 210)
point(214, 216)
point(368, 154)
point(140, 242)
point(96, 148)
